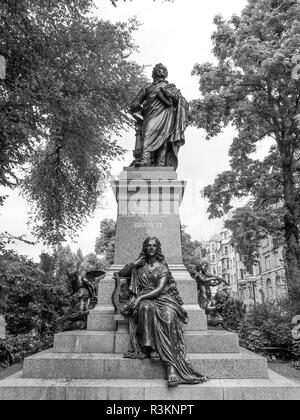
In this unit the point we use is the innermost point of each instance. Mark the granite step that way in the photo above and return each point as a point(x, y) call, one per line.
point(110, 342)
point(102, 318)
point(274, 388)
point(243, 365)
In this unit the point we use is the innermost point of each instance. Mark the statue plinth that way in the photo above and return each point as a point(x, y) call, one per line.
point(148, 206)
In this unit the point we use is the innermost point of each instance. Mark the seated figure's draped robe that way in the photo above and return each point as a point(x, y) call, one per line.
point(158, 323)
point(165, 119)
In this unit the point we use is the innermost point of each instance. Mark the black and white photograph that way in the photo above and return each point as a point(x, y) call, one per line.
point(149, 203)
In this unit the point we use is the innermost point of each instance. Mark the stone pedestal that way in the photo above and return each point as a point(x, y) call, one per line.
point(89, 365)
point(148, 205)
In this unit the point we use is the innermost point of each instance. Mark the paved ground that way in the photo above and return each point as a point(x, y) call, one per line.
point(287, 370)
point(11, 370)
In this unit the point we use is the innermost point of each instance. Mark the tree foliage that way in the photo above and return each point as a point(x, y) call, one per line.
point(252, 89)
point(31, 300)
point(268, 325)
point(115, 2)
point(233, 313)
point(68, 85)
point(192, 252)
point(33, 296)
point(249, 227)
point(105, 243)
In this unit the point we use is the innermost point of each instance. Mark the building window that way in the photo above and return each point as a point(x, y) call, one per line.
point(213, 258)
point(277, 260)
point(262, 297)
point(256, 270)
point(242, 274)
point(269, 289)
point(278, 286)
point(268, 263)
point(213, 247)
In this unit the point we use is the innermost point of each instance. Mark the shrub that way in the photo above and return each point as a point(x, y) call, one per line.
point(268, 325)
point(16, 347)
point(31, 300)
point(251, 338)
point(233, 313)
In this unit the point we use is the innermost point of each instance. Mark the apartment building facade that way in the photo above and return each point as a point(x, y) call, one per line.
point(266, 283)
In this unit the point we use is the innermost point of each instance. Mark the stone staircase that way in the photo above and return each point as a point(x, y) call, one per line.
point(89, 365)
point(83, 365)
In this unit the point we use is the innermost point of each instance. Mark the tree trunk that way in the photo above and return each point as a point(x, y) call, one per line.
point(292, 261)
point(291, 228)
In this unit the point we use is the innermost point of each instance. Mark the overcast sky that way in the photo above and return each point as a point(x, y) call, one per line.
point(179, 35)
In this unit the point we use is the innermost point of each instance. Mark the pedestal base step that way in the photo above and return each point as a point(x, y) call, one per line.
point(114, 366)
point(110, 342)
point(275, 388)
point(102, 319)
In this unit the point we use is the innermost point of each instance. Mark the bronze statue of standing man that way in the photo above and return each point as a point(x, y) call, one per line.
point(161, 114)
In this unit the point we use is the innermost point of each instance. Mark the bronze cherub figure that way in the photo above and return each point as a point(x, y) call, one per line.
point(85, 294)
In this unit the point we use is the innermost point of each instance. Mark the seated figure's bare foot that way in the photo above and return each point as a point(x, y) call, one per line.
point(135, 355)
point(154, 355)
point(141, 355)
point(173, 379)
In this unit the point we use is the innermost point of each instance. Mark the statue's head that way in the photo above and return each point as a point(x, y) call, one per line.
point(160, 72)
point(203, 266)
point(152, 248)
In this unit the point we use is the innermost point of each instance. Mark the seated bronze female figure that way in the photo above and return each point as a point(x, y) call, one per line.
point(156, 315)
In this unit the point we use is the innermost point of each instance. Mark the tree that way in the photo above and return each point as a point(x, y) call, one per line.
point(115, 2)
point(92, 262)
point(65, 261)
point(105, 243)
point(32, 301)
point(250, 226)
point(252, 88)
point(68, 85)
point(192, 252)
